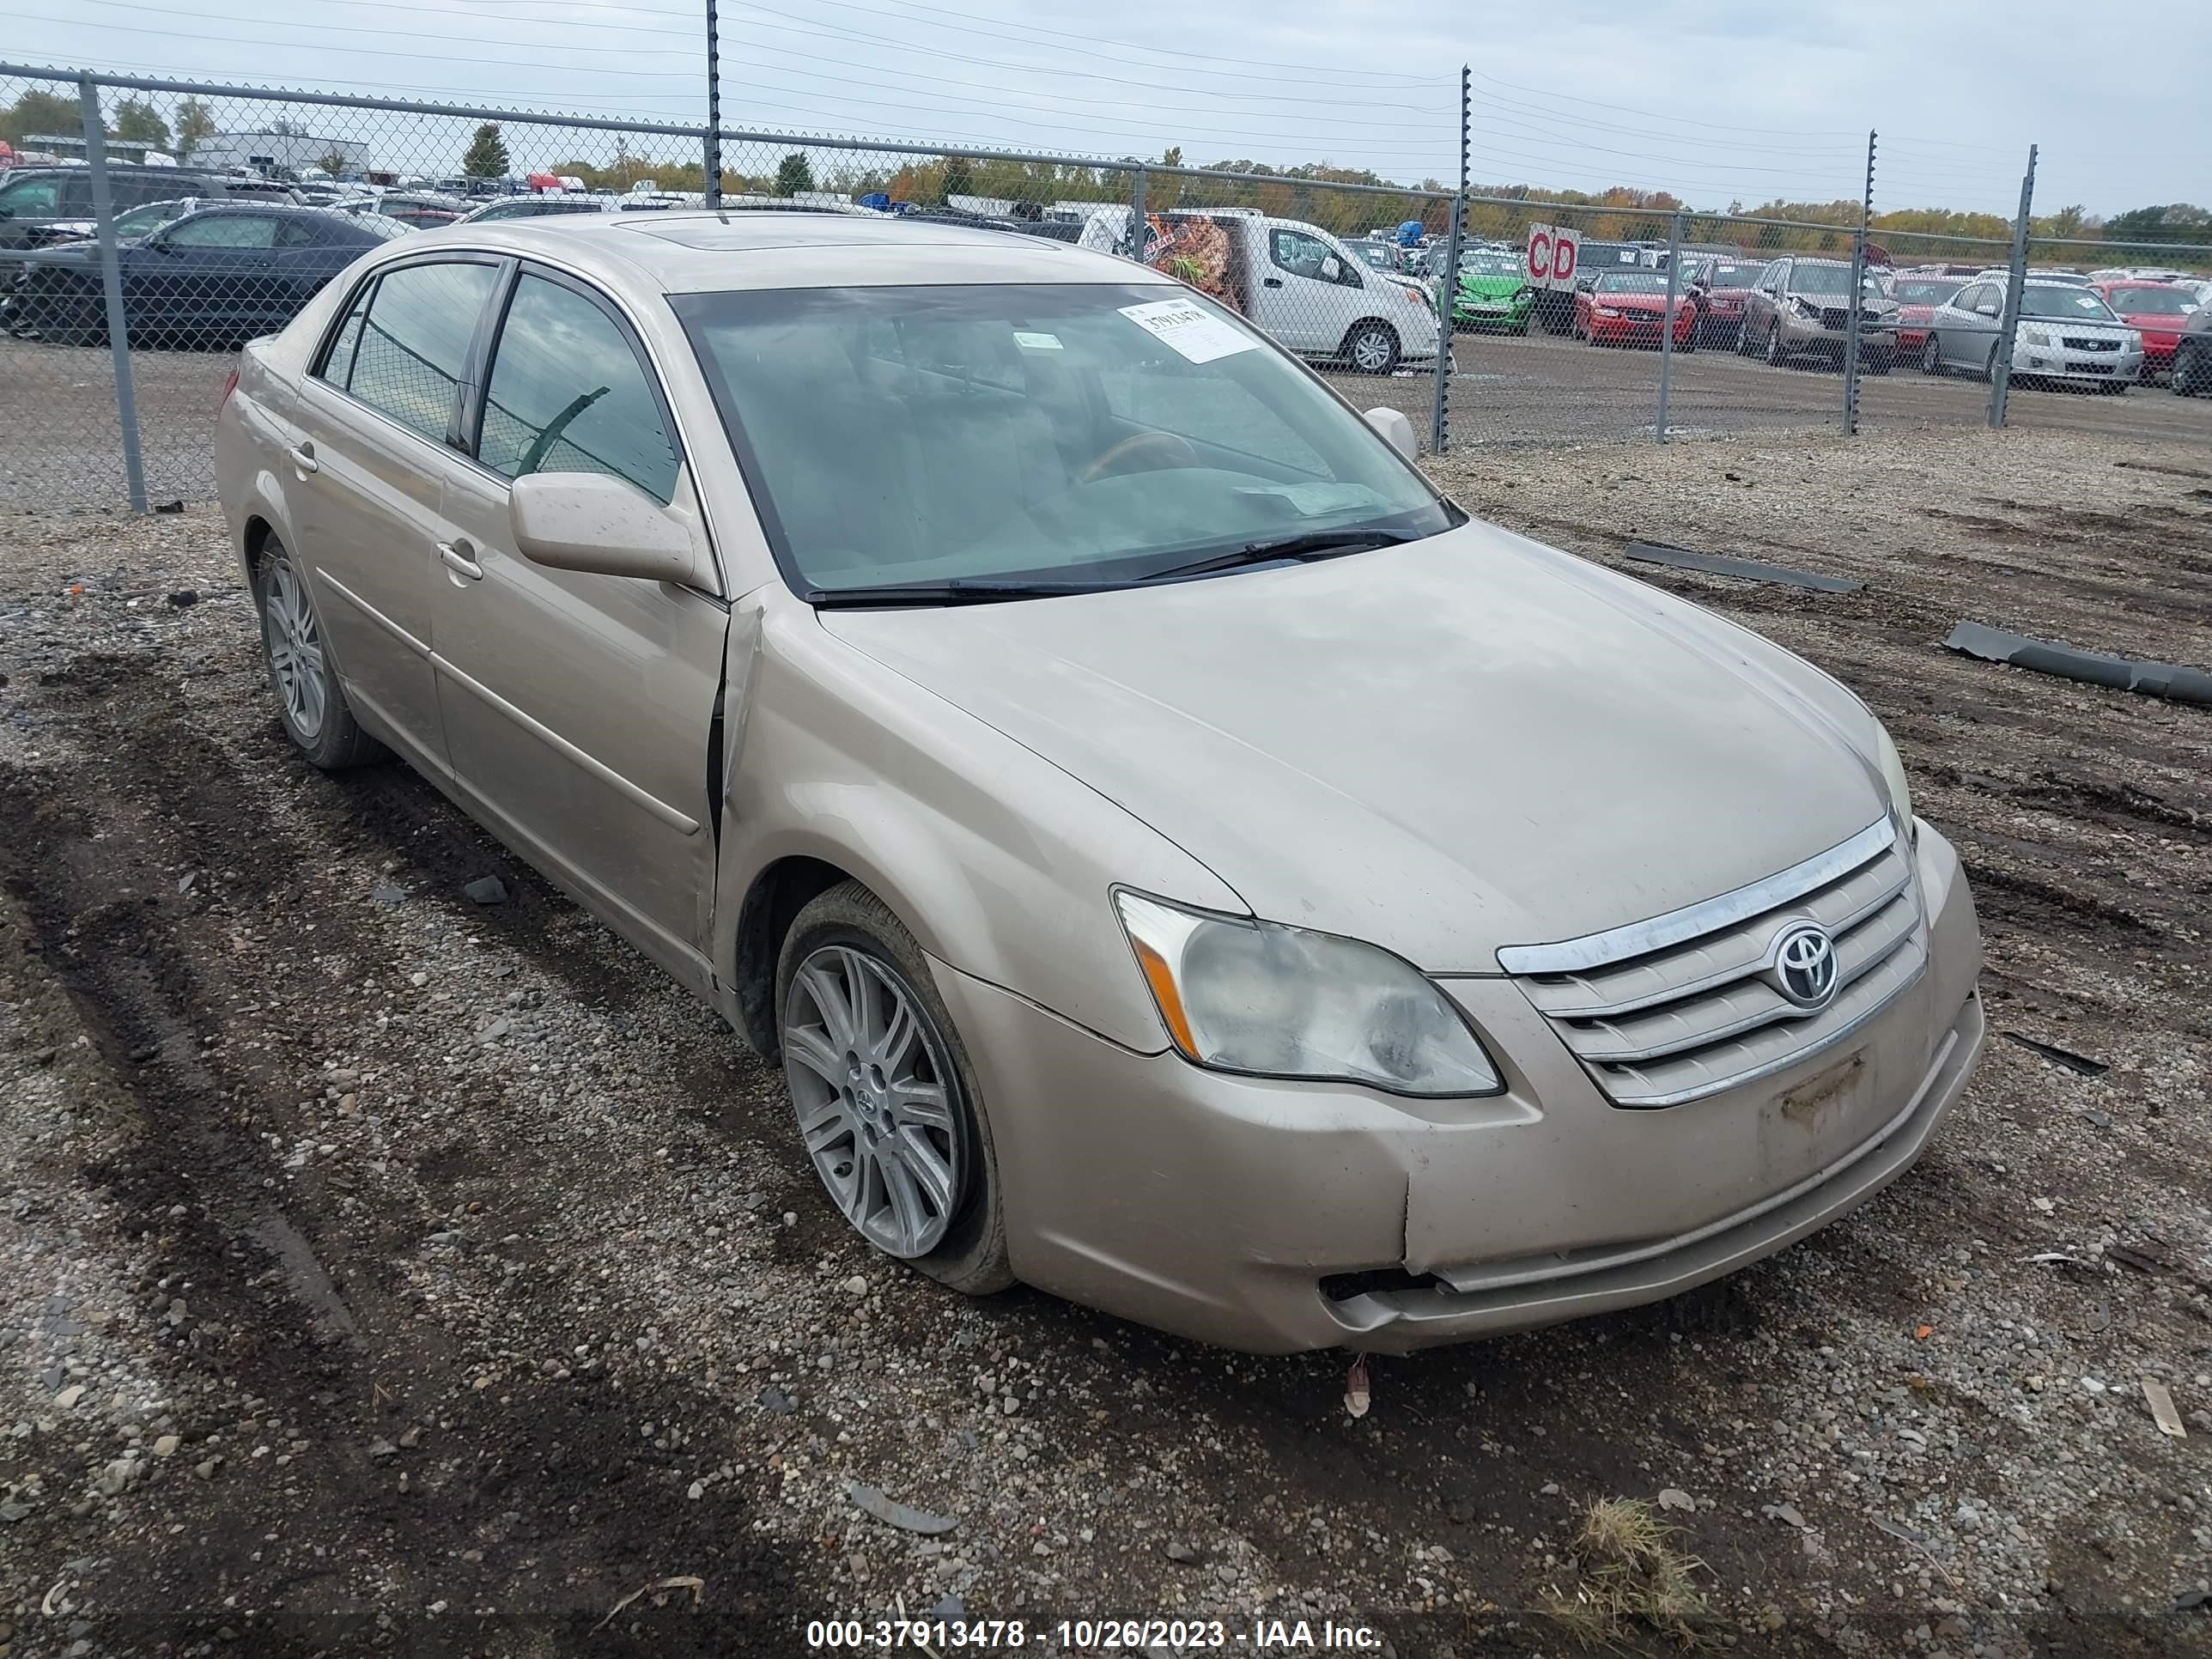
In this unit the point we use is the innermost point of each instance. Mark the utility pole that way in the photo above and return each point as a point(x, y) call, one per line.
point(2001, 359)
point(1859, 300)
point(714, 112)
point(1448, 283)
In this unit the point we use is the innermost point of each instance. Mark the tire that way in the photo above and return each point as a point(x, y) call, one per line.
point(1371, 348)
point(1743, 339)
point(1777, 354)
point(2187, 377)
point(1990, 369)
point(310, 700)
point(1688, 345)
point(1931, 356)
point(958, 1239)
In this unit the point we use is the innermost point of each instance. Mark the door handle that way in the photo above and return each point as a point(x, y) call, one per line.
point(1271, 282)
point(454, 556)
point(303, 457)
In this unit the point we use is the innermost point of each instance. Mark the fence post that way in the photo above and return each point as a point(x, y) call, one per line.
point(714, 153)
point(1137, 215)
point(1447, 295)
point(1858, 302)
point(2015, 281)
point(1667, 328)
point(111, 282)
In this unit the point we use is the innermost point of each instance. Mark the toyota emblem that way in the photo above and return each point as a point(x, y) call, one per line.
point(1805, 965)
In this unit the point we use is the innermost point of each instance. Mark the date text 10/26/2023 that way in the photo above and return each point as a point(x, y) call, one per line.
point(1096, 1634)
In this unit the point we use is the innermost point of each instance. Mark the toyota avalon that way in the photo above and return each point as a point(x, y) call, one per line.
point(1178, 858)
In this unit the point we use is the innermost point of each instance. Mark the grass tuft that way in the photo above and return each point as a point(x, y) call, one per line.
point(1626, 1578)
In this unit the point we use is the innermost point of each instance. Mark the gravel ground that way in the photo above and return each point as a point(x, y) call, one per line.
point(381, 1271)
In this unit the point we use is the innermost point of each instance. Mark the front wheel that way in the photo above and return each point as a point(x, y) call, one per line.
point(1373, 348)
point(2187, 377)
point(886, 1105)
point(317, 717)
point(1931, 356)
point(1776, 353)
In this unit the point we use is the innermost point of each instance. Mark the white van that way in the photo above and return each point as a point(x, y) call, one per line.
point(1300, 284)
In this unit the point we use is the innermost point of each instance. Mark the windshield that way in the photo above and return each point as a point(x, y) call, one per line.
point(1734, 276)
point(1085, 433)
point(1490, 264)
point(1923, 291)
point(2072, 304)
point(1829, 279)
point(1632, 282)
point(145, 220)
point(2154, 301)
point(1373, 253)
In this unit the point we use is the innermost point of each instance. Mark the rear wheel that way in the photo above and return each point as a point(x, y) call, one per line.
point(1776, 353)
point(1990, 369)
point(2188, 378)
point(1931, 356)
point(317, 717)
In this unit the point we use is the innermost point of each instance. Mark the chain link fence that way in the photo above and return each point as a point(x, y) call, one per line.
point(149, 227)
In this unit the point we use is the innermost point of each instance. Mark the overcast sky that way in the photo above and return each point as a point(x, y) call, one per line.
point(1717, 100)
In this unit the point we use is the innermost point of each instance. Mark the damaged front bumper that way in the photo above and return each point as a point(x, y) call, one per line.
point(1278, 1216)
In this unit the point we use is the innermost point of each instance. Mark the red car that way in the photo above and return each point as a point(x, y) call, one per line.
point(1917, 294)
point(1629, 308)
point(2157, 310)
point(1719, 291)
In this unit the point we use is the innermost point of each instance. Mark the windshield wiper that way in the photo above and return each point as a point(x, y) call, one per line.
point(955, 590)
point(1314, 544)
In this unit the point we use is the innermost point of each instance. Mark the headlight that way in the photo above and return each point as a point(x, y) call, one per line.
point(1603, 310)
point(1524, 292)
point(1804, 307)
point(1240, 995)
point(1893, 778)
point(2036, 337)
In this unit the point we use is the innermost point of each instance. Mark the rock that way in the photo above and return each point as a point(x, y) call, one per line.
point(857, 1285)
point(67, 1398)
point(184, 598)
point(1674, 1498)
point(386, 892)
point(116, 1476)
point(487, 890)
point(695, 1491)
point(412, 1438)
point(380, 1450)
point(773, 1399)
point(1181, 1554)
point(1784, 1513)
point(11, 1511)
point(206, 1468)
point(166, 1445)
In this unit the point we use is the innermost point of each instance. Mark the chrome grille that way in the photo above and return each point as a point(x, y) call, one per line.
point(1683, 1005)
point(2088, 342)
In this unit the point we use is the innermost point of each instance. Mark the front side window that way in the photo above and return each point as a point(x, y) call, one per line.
point(246, 230)
point(1091, 433)
point(415, 343)
point(1307, 256)
point(568, 394)
point(33, 198)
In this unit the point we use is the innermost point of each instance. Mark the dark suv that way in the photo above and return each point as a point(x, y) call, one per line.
point(33, 199)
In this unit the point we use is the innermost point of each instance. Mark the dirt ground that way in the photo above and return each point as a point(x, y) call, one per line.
point(385, 1273)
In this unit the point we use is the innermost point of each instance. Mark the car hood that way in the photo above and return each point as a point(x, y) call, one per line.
point(1442, 748)
point(1636, 302)
point(2153, 322)
point(1492, 288)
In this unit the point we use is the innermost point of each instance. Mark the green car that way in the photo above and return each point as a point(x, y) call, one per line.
point(1493, 293)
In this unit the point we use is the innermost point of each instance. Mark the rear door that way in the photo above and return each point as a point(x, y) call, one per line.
point(579, 708)
point(378, 417)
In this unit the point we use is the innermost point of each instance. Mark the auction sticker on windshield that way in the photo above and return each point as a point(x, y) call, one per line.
point(1194, 331)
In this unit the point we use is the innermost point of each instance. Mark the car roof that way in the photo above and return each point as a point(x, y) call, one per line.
point(680, 252)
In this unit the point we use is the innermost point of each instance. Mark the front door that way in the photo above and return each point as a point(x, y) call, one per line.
point(369, 468)
point(1304, 307)
point(580, 709)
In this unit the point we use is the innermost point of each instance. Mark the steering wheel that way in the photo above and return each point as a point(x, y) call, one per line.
point(1172, 450)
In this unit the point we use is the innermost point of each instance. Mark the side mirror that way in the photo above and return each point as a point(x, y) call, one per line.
point(589, 521)
point(1331, 271)
point(1397, 431)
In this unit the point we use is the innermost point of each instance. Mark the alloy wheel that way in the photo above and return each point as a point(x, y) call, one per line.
point(876, 1109)
point(1373, 350)
point(295, 650)
point(1931, 356)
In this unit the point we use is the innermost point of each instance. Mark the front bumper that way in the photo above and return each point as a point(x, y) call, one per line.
point(1638, 330)
point(1274, 1217)
point(2057, 363)
point(1491, 313)
point(1801, 335)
